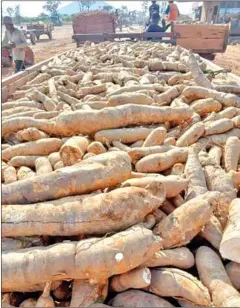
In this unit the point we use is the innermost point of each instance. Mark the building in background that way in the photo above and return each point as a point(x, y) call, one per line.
point(219, 12)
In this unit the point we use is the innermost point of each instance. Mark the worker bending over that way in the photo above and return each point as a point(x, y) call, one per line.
point(172, 11)
point(154, 27)
point(15, 40)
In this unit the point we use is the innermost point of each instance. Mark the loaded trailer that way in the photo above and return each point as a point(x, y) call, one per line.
point(120, 174)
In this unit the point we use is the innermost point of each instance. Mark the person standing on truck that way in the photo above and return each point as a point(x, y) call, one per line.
point(15, 39)
point(153, 8)
point(172, 11)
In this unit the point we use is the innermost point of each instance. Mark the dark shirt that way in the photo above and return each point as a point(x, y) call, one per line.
point(153, 8)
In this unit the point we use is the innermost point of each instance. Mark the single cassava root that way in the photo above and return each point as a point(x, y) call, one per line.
point(73, 260)
point(108, 216)
point(71, 180)
point(88, 122)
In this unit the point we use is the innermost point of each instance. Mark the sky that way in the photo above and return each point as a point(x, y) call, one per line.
point(34, 8)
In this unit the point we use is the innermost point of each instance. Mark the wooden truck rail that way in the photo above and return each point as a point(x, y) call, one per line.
point(203, 39)
point(101, 37)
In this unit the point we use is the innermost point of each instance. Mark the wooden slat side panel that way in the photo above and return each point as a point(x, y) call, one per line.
point(201, 31)
point(8, 87)
point(5, 94)
point(202, 45)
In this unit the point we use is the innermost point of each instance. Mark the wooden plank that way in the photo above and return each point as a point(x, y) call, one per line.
point(19, 79)
point(202, 45)
point(201, 31)
point(100, 37)
point(8, 80)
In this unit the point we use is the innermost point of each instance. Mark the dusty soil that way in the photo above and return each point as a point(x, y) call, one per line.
point(230, 59)
point(62, 41)
point(45, 48)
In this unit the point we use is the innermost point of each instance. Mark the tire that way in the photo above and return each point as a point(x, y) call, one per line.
point(33, 38)
point(50, 35)
point(208, 56)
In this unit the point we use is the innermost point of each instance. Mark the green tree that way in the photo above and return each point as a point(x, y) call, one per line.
point(88, 4)
point(108, 8)
point(81, 5)
point(17, 15)
point(52, 6)
point(85, 5)
point(10, 11)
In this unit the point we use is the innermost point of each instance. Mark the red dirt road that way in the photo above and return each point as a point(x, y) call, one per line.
point(230, 59)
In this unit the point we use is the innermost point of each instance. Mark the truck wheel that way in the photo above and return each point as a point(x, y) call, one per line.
point(50, 35)
point(33, 38)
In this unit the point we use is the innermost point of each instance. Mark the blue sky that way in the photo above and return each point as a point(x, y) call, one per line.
point(34, 8)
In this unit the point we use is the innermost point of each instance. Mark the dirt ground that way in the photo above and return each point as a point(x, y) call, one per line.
point(230, 59)
point(62, 41)
point(45, 48)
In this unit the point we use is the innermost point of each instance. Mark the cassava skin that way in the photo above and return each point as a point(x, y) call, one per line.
point(195, 174)
point(178, 257)
point(43, 166)
point(96, 148)
point(224, 295)
point(73, 150)
point(230, 245)
point(184, 223)
point(88, 122)
point(140, 152)
point(210, 267)
point(156, 137)
point(39, 147)
point(101, 171)
point(16, 124)
point(24, 173)
point(162, 161)
point(232, 153)
point(213, 275)
point(197, 74)
point(129, 98)
point(30, 134)
point(74, 260)
point(218, 126)
point(30, 302)
point(205, 106)
point(100, 214)
point(125, 135)
point(26, 161)
point(212, 232)
point(45, 300)
point(218, 180)
point(173, 184)
point(227, 100)
point(85, 294)
point(140, 299)
point(137, 278)
point(191, 135)
point(172, 282)
point(233, 271)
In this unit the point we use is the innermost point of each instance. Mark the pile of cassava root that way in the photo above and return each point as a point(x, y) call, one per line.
point(120, 182)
